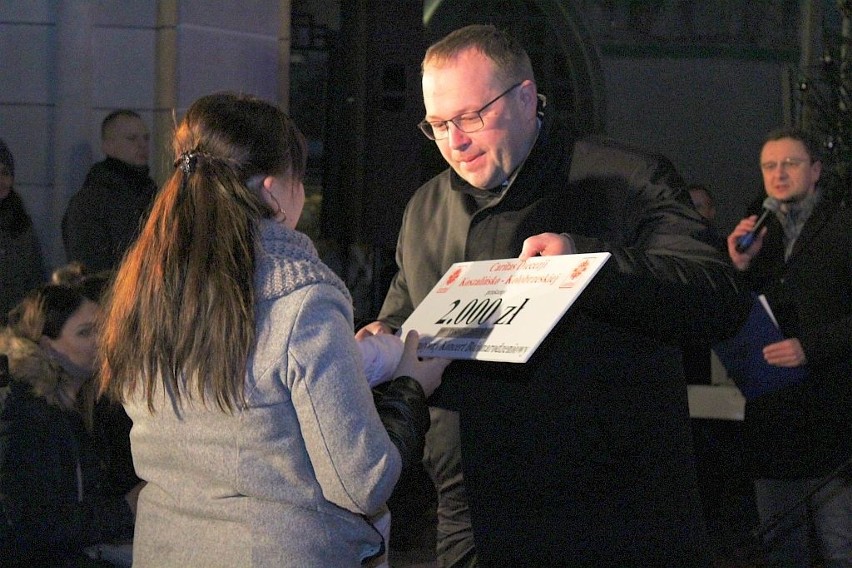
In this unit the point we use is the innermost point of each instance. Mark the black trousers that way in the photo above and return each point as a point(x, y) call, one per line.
point(442, 461)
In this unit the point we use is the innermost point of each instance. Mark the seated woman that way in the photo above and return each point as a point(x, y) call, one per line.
point(54, 501)
point(111, 425)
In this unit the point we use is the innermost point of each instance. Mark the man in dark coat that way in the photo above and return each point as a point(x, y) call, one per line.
point(105, 216)
point(800, 436)
point(582, 455)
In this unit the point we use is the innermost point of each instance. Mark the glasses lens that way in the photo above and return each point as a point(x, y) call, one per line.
point(427, 129)
point(469, 122)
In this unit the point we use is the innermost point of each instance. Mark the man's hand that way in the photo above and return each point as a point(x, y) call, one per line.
point(427, 371)
point(786, 353)
point(375, 328)
point(741, 260)
point(547, 244)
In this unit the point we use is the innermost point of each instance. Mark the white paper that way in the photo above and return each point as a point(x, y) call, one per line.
point(718, 402)
point(765, 303)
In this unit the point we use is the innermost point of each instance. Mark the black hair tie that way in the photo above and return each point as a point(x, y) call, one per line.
point(187, 162)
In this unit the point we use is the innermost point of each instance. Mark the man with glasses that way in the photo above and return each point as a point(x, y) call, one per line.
point(800, 436)
point(104, 217)
point(582, 455)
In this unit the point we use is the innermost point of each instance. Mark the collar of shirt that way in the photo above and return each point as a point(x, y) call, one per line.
point(793, 217)
point(500, 189)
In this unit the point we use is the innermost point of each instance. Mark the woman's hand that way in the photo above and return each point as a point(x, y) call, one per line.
point(375, 328)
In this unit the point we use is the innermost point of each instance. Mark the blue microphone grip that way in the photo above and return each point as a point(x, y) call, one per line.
point(770, 204)
point(745, 241)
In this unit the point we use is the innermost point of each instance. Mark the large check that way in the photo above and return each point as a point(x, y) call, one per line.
point(500, 310)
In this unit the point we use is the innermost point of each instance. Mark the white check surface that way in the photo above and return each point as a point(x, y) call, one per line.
point(500, 310)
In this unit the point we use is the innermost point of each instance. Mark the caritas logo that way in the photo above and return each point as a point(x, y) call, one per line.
point(576, 273)
point(451, 277)
point(454, 275)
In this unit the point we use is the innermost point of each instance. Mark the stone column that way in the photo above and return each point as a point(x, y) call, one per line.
point(284, 40)
point(71, 150)
point(165, 89)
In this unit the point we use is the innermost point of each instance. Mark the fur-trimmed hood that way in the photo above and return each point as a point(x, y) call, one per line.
point(28, 363)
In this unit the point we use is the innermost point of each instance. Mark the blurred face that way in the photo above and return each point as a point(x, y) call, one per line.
point(127, 139)
point(7, 180)
point(77, 343)
point(487, 157)
point(788, 173)
point(703, 204)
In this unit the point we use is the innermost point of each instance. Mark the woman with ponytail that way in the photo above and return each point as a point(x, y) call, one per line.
point(231, 346)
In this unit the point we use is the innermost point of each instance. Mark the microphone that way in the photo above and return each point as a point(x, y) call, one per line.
point(770, 205)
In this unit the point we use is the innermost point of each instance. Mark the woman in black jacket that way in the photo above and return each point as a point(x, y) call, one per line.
point(21, 265)
point(53, 491)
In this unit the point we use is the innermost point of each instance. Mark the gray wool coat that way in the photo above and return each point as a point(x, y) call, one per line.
point(292, 479)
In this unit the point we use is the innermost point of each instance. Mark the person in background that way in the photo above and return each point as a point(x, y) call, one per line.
point(231, 346)
point(799, 437)
point(725, 488)
point(21, 264)
point(581, 456)
point(103, 218)
point(705, 204)
point(55, 499)
point(696, 355)
point(703, 200)
point(111, 425)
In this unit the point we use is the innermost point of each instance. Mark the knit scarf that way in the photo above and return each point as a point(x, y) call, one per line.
point(793, 217)
point(286, 261)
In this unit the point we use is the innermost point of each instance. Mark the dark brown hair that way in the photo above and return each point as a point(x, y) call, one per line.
point(44, 311)
point(510, 58)
point(180, 313)
point(111, 117)
point(810, 143)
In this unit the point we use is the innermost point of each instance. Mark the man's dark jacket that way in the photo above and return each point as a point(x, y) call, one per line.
point(104, 218)
point(582, 455)
point(805, 431)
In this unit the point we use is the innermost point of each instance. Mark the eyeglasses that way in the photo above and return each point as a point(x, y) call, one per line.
point(466, 122)
point(785, 164)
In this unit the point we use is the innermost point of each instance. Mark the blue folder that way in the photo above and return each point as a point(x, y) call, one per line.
point(742, 356)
